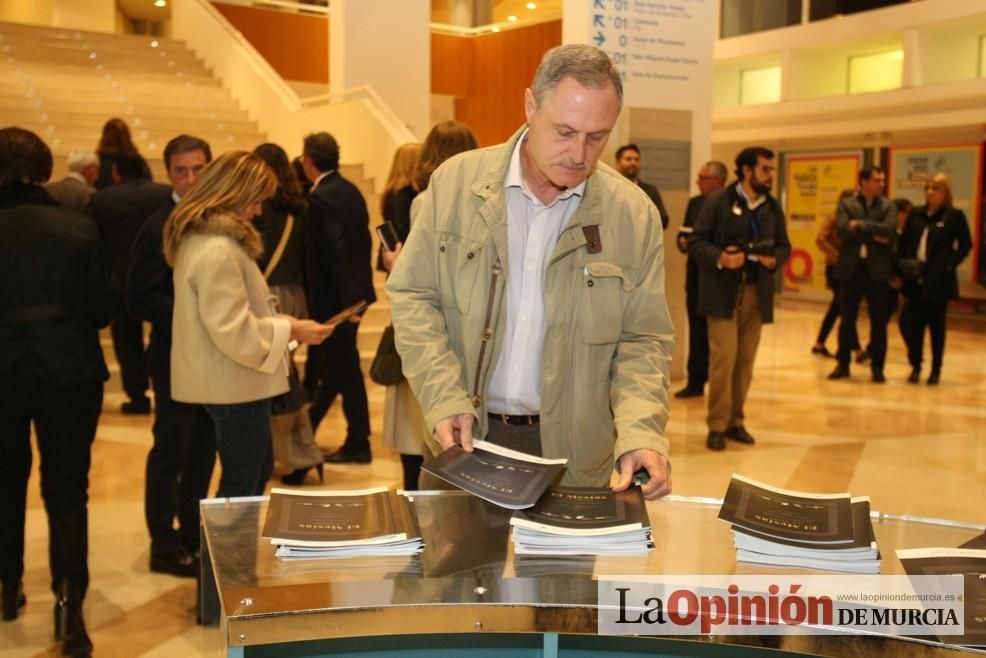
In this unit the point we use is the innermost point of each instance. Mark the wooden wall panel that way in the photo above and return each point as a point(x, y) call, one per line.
point(490, 89)
point(296, 46)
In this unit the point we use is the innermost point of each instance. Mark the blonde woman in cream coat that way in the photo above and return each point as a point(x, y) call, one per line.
point(229, 348)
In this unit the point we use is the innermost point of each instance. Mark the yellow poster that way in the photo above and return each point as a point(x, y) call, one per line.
point(812, 185)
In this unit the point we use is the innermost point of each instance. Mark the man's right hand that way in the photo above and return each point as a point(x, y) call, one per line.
point(455, 430)
point(732, 260)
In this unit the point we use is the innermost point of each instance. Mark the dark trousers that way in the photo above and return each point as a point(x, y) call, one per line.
point(339, 373)
point(832, 314)
point(128, 345)
point(877, 294)
point(698, 333)
point(179, 467)
point(244, 445)
point(931, 315)
point(65, 422)
point(522, 438)
point(411, 467)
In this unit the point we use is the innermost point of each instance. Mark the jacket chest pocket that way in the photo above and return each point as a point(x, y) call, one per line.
point(604, 287)
point(458, 270)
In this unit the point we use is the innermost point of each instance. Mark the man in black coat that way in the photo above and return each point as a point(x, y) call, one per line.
point(179, 465)
point(339, 275)
point(867, 226)
point(628, 164)
point(740, 241)
point(711, 177)
point(119, 211)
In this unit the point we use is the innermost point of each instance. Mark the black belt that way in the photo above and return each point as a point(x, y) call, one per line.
point(507, 419)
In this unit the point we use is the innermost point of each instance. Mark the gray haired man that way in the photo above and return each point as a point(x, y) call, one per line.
point(74, 190)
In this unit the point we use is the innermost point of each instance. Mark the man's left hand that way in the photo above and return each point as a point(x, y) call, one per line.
point(770, 262)
point(657, 467)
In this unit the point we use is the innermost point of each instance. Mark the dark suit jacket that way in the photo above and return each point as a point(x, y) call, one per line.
point(70, 192)
point(691, 216)
point(719, 226)
point(949, 242)
point(55, 296)
point(119, 211)
point(879, 218)
point(338, 248)
point(655, 196)
point(149, 290)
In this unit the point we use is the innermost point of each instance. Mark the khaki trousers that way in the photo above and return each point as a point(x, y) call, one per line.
point(733, 346)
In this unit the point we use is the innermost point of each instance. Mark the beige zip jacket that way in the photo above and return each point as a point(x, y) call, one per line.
point(608, 339)
point(227, 346)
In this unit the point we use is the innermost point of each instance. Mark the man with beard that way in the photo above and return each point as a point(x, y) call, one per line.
point(628, 164)
point(739, 241)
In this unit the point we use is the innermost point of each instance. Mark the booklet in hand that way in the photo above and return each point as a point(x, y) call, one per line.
point(504, 477)
point(347, 313)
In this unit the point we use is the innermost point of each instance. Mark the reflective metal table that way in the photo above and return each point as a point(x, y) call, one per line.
point(468, 594)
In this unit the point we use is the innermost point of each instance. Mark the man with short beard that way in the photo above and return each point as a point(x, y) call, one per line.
point(739, 241)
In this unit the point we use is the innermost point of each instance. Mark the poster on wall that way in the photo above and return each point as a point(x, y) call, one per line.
point(912, 166)
point(812, 185)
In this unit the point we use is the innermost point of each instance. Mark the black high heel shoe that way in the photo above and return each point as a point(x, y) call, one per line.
point(297, 476)
point(70, 628)
point(13, 600)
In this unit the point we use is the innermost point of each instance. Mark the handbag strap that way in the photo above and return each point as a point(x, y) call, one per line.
point(276, 258)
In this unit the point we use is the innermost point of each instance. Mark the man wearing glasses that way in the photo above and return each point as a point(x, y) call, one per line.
point(866, 223)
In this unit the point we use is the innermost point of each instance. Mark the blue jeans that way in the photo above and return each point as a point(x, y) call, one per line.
point(244, 445)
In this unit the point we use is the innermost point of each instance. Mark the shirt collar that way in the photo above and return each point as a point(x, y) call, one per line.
point(323, 175)
point(515, 178)
point(175, 197)
point(750, 204)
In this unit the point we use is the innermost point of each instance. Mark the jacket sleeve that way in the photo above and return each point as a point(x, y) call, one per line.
point(102, 299)
point(640, 371)
point(963, 240)
point(329, 241)
point(702, 245)
point(824, 239)
point(906, 246)
point(886, 226)
point(431, 368)
point(259, 343)
point(782, 244)
point(148, 289)
point(846, 234)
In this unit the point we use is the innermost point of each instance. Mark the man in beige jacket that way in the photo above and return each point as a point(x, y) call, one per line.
point(529, 302)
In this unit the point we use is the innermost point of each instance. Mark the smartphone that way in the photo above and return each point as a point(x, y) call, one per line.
point(388, 236)
point(347, 313)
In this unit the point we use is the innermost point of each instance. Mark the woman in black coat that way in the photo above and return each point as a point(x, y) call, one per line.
point(934, 242)
point(55, 297)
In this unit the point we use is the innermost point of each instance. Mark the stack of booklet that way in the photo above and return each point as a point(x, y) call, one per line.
point(337, 524)
point(504, 477)
point(583, 521)
point(784, 528)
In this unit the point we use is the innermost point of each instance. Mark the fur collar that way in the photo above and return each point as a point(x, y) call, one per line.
point(227, 224)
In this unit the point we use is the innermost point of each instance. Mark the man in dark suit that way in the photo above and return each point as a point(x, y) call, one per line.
point(119, 211)
point(339, 275)
point(740, 241)
point(711, 177)
point(628, 164)
point(74, 190)
point(867, 225)
point(179, 465)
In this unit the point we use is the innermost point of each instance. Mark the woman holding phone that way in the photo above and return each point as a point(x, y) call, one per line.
point(230, 347)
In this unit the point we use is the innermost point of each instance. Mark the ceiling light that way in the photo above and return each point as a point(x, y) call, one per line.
point(512, 18)
point(160, 3)
point(532, 5)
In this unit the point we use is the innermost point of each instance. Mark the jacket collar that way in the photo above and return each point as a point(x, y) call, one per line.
point(19, 194)
point(227, 224)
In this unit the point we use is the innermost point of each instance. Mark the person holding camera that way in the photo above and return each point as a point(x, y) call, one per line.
point(935, 240)
point(740, 240)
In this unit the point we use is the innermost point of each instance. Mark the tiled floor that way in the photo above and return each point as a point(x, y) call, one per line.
point(913, 449)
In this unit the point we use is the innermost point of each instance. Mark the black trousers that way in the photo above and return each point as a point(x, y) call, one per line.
point(929, 315)
point(877, 294)
point(128, 345)
point(65, 422)
point(339, 373)
point(698, 332)
point(179, 467)
point(832, 314)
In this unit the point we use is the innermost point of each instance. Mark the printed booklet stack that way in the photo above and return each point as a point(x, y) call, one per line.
point(583, 521)
point(783, 528)
point(305, 525)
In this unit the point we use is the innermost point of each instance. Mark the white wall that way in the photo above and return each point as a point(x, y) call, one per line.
point(92, 15)
point(31, 12)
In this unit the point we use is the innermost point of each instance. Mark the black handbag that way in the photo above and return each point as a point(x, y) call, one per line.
point(293, 400)
point(386, 367)
point(910, 269)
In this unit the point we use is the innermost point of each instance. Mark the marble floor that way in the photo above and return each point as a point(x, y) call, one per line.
point(913, 449)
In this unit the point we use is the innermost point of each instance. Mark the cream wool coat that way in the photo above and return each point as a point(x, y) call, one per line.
point(227, 346)
point(608, 339)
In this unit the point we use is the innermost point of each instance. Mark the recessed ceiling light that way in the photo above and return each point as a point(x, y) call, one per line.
point(532, 5)
point(496, 28)
point(160, 3)
point(155, 43)
point(512, 18)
